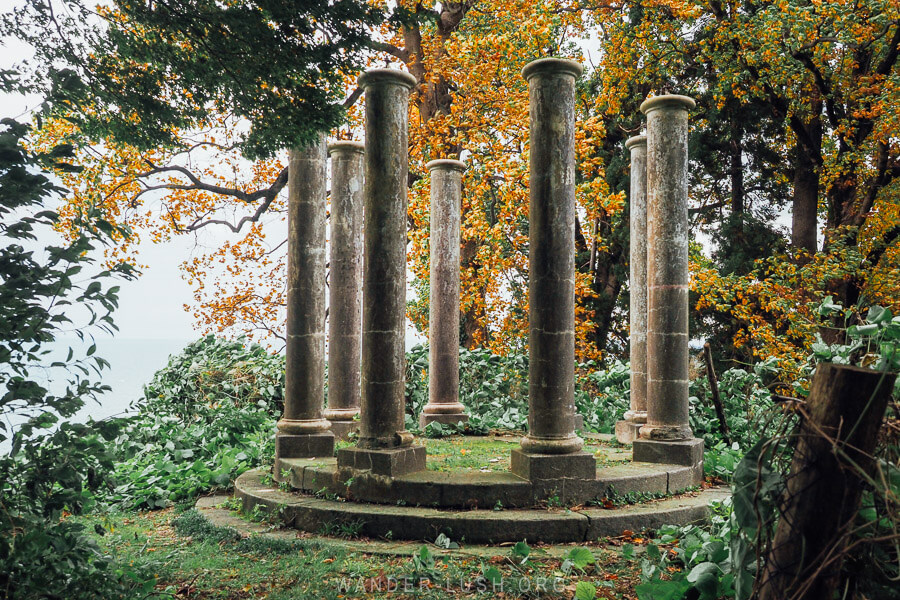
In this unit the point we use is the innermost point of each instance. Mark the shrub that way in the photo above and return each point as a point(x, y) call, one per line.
point(53, 467)
point(205, 418)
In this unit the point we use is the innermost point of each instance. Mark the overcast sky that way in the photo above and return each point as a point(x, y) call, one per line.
point(151, 306)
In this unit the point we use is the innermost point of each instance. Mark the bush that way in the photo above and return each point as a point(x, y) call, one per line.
point(205, 418)
point(494, 390)
point(602, 397)
point(215, 370)
point(53, 467)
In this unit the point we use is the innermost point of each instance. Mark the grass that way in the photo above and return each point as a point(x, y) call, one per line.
point(194, 559)
point(462, 453)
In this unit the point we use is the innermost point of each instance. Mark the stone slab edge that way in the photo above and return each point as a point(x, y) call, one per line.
point(475, 526)
point(434, 489)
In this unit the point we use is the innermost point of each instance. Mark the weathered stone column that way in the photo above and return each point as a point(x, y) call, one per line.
point(302, 430)
point(345, 297)
point(443, 305)
point(551, 448)
point(667, 281)
point(628, 429)
point(384, 446)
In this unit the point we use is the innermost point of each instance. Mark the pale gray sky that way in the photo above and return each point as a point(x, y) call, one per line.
point(151, 306)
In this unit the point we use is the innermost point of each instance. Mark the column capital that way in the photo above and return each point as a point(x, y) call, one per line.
point(374, 77)
point(635, 140)
point(552, 66)
point(447, 164)
point(667, 101)
point(346, 147)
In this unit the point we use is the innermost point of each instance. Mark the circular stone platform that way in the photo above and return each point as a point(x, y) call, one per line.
point(480, 526)
point(468, 493)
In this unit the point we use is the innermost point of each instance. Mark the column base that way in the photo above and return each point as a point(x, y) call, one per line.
point(443, 419)
point(627, 432)
point(666, 433)
point(390, 462)
point(636, 416)
point(539, 445)
point(688, 453)
point(538, 467)
point(343, 429)
point(310, 445)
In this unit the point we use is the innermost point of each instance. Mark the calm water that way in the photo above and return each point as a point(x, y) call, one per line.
point(132, 363)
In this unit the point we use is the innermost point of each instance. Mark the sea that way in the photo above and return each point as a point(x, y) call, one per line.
point(132, 363)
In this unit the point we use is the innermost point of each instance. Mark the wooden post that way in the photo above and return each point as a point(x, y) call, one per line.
point(834, 448)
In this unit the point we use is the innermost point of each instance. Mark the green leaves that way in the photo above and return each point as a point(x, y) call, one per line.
point(577, 558)
point(156, 68)
point(206, 417)
point(423, 561)
point(54, 466)
point(662, 590)
point(585, 590)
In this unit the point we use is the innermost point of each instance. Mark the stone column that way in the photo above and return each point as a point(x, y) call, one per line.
point(443, 308)
point(628, 429)
point(384, 447)
point(551, 446)
point(345, 296)
point(302, 430)
point(666, 436)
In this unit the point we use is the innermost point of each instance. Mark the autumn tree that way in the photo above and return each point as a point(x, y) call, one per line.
point(820, 81)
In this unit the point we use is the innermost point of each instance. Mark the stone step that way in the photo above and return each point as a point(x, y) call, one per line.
point(478, 526)
point(456, 489)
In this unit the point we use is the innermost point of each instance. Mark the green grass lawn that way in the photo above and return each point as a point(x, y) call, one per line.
point(491, 453)
point(192, 559)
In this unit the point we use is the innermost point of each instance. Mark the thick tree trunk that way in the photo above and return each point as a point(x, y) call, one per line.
point(804, 222)
point(834, 446)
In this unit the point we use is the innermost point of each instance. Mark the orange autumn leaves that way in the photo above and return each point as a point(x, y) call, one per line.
point(486, 118)
point(481, 111)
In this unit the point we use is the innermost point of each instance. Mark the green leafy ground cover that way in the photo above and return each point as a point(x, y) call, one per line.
point(210, 413)
point(190, 558)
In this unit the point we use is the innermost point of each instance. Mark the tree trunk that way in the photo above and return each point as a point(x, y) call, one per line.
point(804, 223)
point(606, 285)
point(472, 318)
point(834, 446)
point(736, 166)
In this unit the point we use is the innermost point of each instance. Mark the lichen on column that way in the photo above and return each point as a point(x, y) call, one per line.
point(384, 446)
point(345, 286)
point(629, 428)
point(551, 258)
point(667, 268)
point(303, 431)
point(443, 320)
